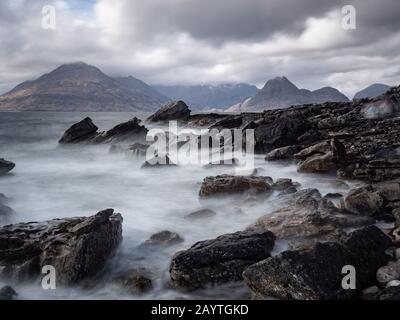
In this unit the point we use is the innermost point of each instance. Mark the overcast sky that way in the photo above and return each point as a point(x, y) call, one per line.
point(206, 41)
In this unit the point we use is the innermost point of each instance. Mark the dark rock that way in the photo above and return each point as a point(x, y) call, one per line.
point(86, 132)
point(136, 281)
point(283, 184)
point(201, 214)
point(6, 166)
point(316, 274)
point(227, 185)
point(323, 157)
point(310, 217)
point(5, 212)
point(7, 293)
point(77, 247)
point(283, 153)
point(176, 110)
point(220, 260)
point(163, 238)
point(80, 132)
point(391, 293)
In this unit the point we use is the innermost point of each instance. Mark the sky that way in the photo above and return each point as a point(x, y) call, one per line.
point(206, 41)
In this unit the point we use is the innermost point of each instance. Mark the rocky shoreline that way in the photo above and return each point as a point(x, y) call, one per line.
point(357, 140)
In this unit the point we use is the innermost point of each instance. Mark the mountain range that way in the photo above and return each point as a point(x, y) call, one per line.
point(372, 91)
point(280, 93)
point(82, 87)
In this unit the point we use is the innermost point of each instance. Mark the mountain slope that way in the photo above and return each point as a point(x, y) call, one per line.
point(204, 96)
point(280, 93)
point(75, 87)
point(372, 91)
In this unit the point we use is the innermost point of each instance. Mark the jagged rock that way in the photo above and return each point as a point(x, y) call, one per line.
point(6, 166)
point(76, 247)
point(227, 185)
point(175, 110)
point(283, 153)
point(201, 214)
point(376, 200)
point(136, 281)
point(80, 132)
point(163, 238)
point(220, 260)
point(316, 274)
point(86, 132)
point(323, 157)
point(310, 217)
point(7, 293)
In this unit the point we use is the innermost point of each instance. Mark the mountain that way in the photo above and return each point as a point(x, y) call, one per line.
point(208, 96)
point(372, 91)
point(281, 93)
point(80, 87)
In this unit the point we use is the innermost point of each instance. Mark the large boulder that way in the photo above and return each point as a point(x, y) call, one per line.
point(79, 132)
point(86, 131)
point(325, 156)
point(76, 247)
point(175, 110)
point(316, 274)
point(6, 166)
point(310, 218)
point(231, 185)
point(220, 260)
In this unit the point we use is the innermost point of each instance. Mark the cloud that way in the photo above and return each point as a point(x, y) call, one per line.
point(208, 41)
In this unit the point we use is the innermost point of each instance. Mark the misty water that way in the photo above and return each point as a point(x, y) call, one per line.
point(51, 181)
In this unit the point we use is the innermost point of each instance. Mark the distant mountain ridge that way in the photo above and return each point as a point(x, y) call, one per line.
point(209, 96)
point(280, 93)
point(81, 87)
point(372, 91)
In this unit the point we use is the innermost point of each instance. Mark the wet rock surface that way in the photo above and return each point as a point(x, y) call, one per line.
point(7, 293)
point(220, 260)
point(136, 281)
point(316, 273)
point(77, 247)
point(86, 131)
point(175, 110)
point(163, 238)
point(6, 166)
point(226, 184)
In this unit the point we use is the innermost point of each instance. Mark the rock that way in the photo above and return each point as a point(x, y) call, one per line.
point(396, 236)
point(316, 274)
point(138, 150)
point(282, 131)
point(136, 281)
point(283, 153)
point(6, 166)
point(201, 214)
point(158, 161)
point(323, 157)
point(230, 185)
point(77, 247)
point(310, 217)
point(176, 110)
point(364, 201)
point(371, 293)
point(79, 132)
point(163, 238)
point(393, 283)
point(283, 184)
point(220, 260)
point(7, 293)
point(5, 212)
point(391, 293)
point(388, 273)
point(86, 132)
